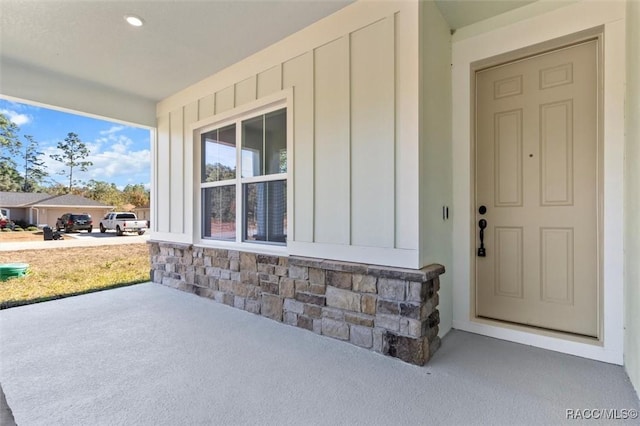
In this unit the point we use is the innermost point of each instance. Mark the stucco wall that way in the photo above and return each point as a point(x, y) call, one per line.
point(355, 168)
point(632, 197)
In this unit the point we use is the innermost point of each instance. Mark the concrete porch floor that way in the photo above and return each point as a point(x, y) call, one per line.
point(151, 355)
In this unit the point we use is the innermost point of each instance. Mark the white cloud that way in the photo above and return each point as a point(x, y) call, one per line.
point(17, 118)
point(119, 162)
point(112, 130)
point(113, 161)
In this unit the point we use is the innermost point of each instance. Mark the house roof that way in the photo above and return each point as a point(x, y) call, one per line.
point(20, 199)
point(26, 199)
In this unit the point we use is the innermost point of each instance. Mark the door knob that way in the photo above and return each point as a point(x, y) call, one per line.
point(481, 251)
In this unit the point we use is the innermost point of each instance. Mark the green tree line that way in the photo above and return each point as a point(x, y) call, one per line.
point(22, 169)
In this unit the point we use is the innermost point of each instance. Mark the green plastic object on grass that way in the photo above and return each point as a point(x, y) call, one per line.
point(12, 270)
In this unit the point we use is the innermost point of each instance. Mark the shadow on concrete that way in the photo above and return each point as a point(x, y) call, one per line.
point(6, 416)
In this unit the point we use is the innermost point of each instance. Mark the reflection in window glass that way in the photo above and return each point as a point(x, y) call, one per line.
point(265, 215)
point(264, 144)
point(252, 145)
point(219, 212)
point(219, 154)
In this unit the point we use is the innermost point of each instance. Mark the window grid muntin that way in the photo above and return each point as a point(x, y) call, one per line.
point(239, 181)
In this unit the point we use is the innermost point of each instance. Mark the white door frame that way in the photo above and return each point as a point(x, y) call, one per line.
point(513, 36)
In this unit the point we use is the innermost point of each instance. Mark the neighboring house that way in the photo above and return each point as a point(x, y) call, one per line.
point(143, 213)
point(44, 209)
point(321, 181)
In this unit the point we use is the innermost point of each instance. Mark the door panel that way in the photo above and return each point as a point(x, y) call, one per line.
point(536, 172)
point(556, 157)
point(508, 158)
point(508, 262)
point(556, 265)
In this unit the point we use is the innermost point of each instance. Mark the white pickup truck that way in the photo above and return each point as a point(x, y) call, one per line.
point(122, 222)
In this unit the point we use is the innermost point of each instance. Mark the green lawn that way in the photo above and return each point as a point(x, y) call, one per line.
point(63, 272)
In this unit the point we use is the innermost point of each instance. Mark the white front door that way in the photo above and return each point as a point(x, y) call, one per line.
point(538, 189)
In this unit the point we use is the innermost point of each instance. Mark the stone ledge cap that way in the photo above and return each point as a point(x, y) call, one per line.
point(424, 274)
point(171, 244)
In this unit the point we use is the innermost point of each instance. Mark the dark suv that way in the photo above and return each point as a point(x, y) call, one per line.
point(74, 222)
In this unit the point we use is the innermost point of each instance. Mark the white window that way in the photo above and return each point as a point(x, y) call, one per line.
point(244, 191)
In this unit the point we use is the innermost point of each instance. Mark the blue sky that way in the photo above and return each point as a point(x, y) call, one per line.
point(120, 153)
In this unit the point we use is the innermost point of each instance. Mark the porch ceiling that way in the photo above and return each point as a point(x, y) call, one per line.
point(181, 42)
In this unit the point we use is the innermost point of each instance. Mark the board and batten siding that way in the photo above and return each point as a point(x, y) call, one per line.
point(436, 157)
point(355, 104)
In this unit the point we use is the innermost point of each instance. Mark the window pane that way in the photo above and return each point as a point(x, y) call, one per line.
point(252, 144)
point(265, 217)
point(275, 134)
point(219, 212)
point(219, 154)
point(264, 144)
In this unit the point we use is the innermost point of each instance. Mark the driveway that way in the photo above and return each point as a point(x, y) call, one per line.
point(78, 239)
point(151, 355)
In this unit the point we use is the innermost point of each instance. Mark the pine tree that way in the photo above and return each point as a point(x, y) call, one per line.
point(34, 169)
point(74, 151)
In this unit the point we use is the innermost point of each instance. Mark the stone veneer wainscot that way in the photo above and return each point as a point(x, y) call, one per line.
point(392, 311)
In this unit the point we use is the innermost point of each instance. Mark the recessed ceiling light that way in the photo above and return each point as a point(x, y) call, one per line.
point(133, 20)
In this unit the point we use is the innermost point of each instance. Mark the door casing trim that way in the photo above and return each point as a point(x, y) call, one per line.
point(593, 34)
point(536, 31)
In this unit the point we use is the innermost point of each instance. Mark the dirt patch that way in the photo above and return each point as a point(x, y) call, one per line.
point(13, 236)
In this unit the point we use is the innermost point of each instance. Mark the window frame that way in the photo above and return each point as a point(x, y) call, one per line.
point(265, 105)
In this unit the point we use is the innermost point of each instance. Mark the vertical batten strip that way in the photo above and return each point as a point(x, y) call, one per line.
point(182, 174)
point(168, 194)
point(314, 83)
point(162, 202)
point(281, 67)
point(313, 146)
point(154, 180)
point(393, 19)
point(190, 116)
point(350, 136)
point(176, 170)
point(314, 232)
